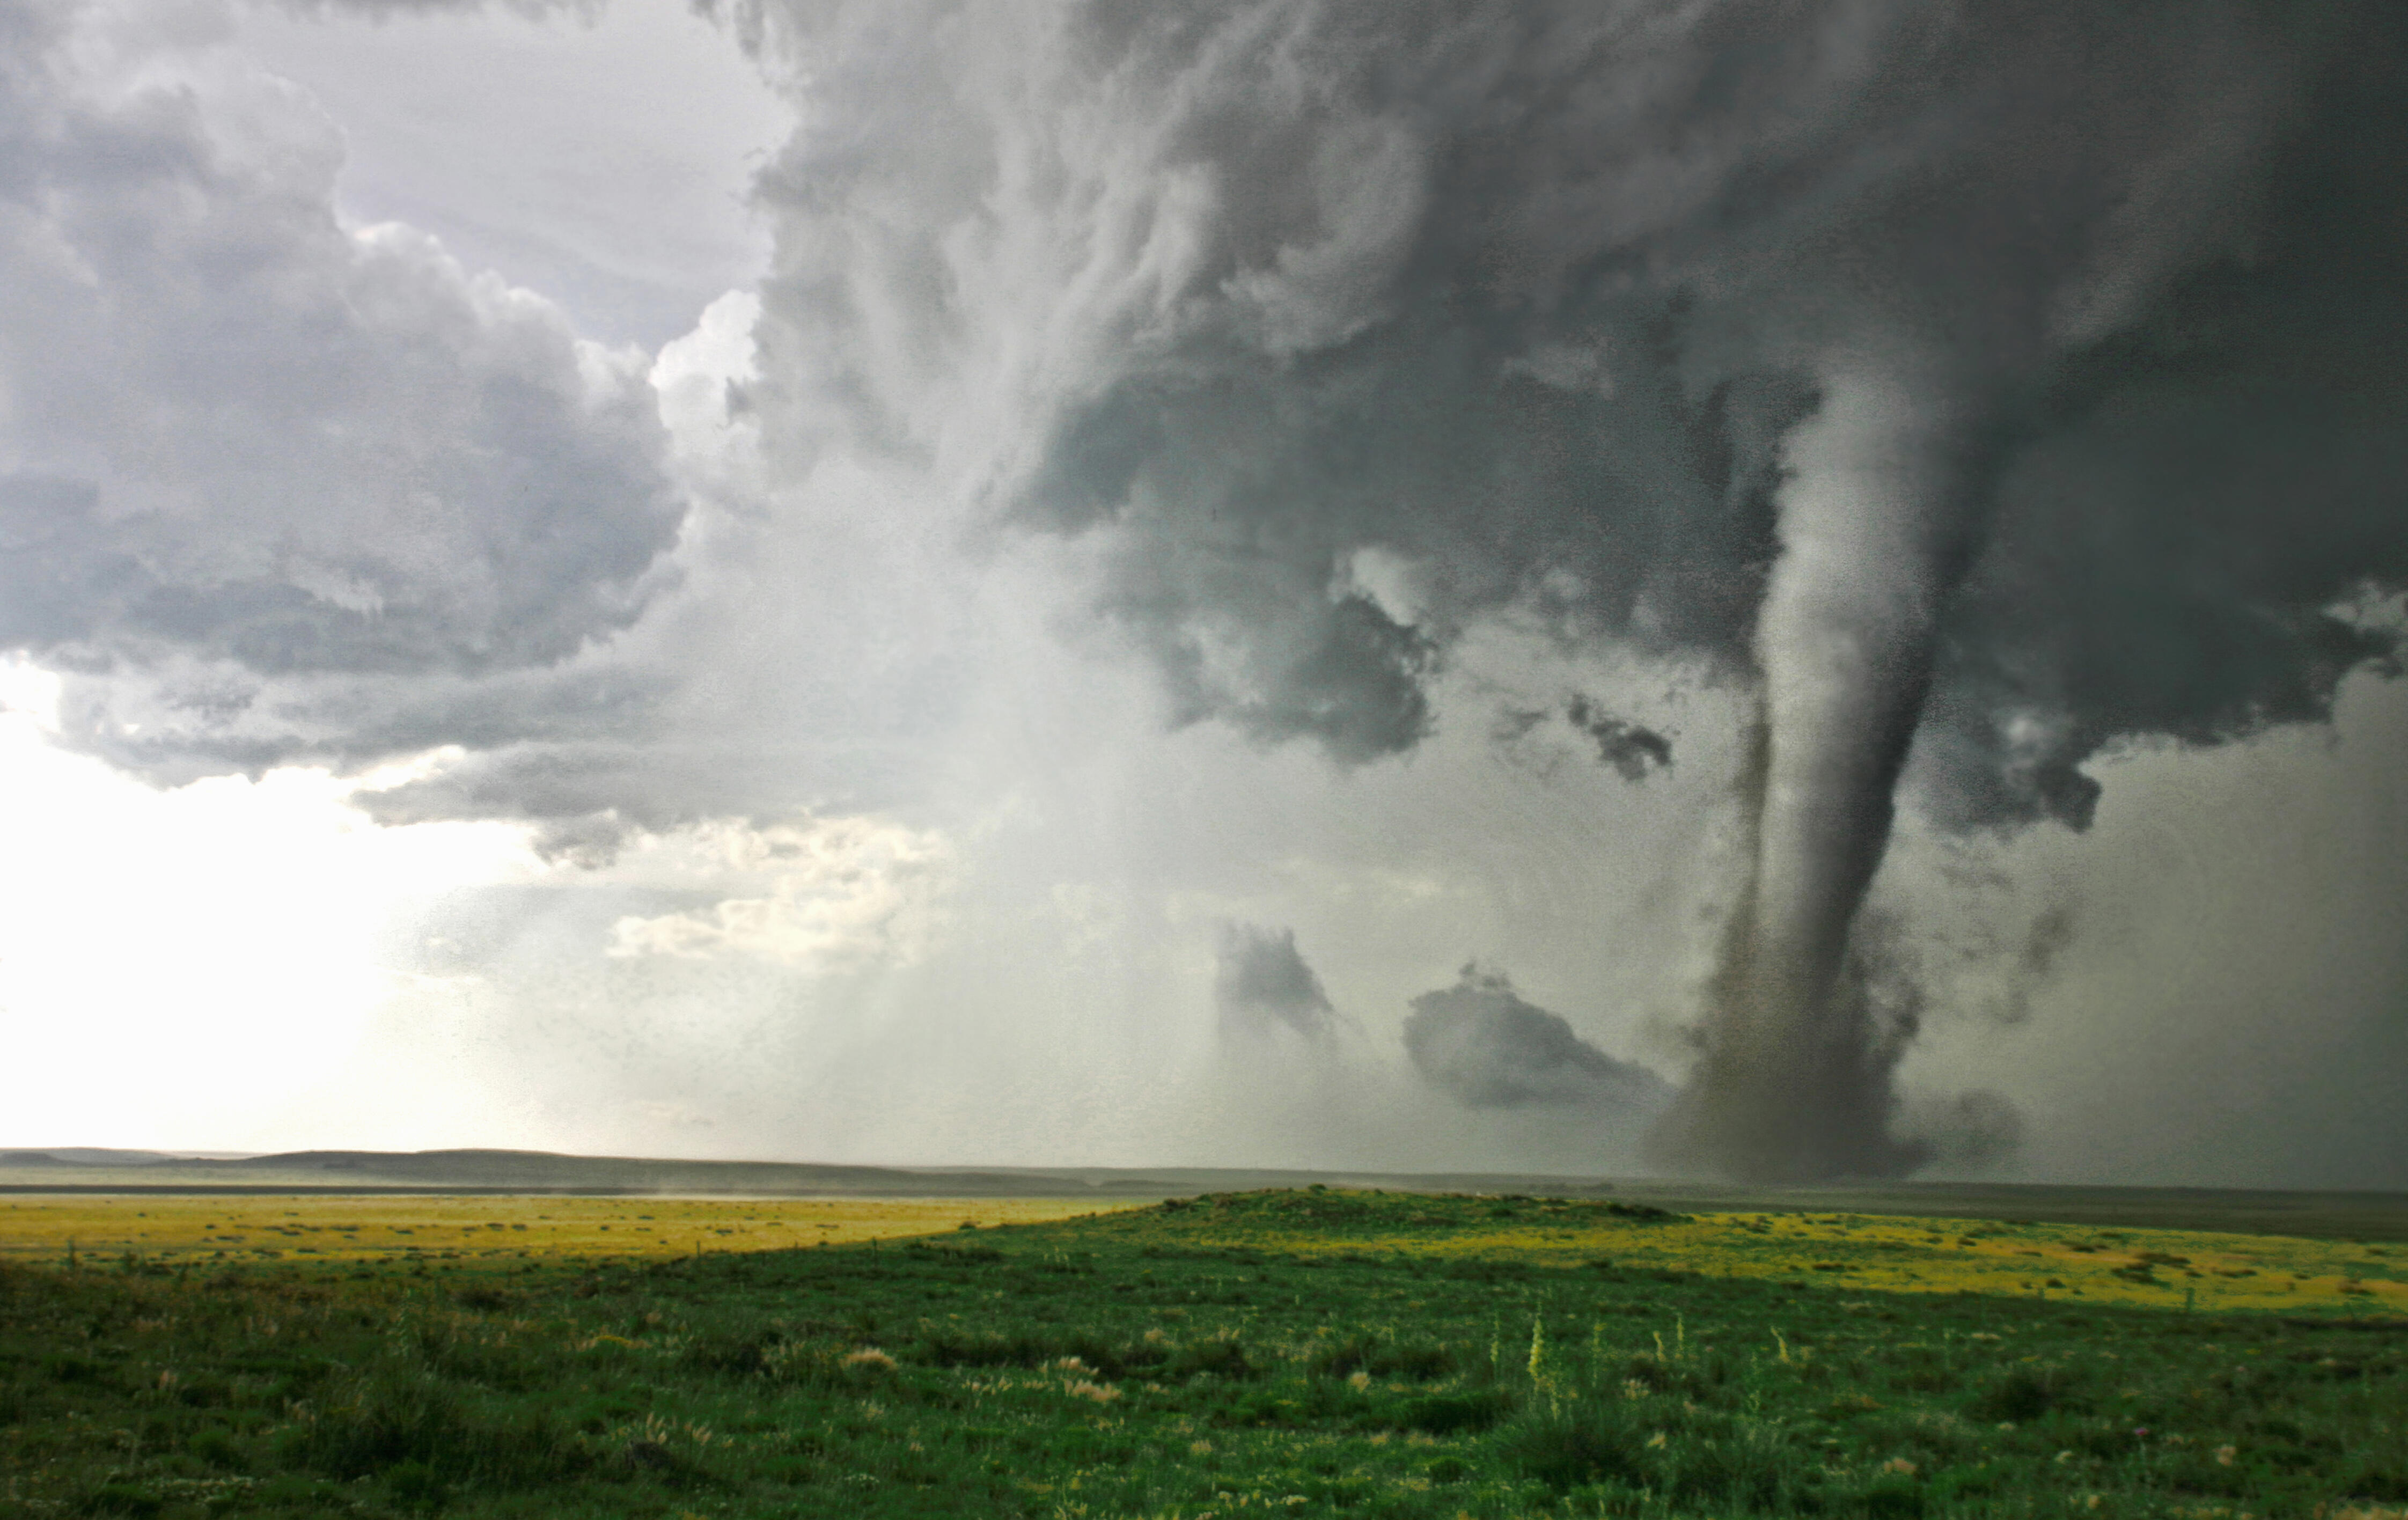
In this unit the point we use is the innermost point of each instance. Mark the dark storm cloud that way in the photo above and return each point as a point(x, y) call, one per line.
point(1530, 295)
point(1263, 982)
point(1972, 388)
point(274, 490)
point(2207, 492)
point(1980, 386)
point(1480, 1045)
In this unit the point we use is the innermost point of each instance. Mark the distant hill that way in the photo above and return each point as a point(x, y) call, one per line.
point(549, 1171)
point(89, 1155)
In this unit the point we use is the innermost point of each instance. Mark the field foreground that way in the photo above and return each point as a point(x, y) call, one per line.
point(1306, 1352)
point(2197, 1269)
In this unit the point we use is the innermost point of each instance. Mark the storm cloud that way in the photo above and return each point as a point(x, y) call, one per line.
point(275, 490)
point(1263, 982)
point(1914, 410)
point(1481, 1045)
point(1530, 299)
point(1335, 328)
point(1979, 387)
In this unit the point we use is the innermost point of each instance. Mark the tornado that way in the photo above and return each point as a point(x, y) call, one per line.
point(1875, 529)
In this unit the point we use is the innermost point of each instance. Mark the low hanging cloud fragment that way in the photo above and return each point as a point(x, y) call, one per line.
point(1263, 983)
point(1480, 1045)
point(1631, 749)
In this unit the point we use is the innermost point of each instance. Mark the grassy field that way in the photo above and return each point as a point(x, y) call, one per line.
point(1298, 1352)
point(186, 1228)
point(2202, 1270)
point(2368, 1218)
point(2160, 1268)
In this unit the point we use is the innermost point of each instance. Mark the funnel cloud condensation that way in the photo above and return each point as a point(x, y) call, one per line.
point(1480, 1045)
point(1264, 984)
point(1978, 386)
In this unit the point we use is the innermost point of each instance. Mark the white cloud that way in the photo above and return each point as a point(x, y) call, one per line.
point(264, 480)
point(603, 157)
point(838, 894)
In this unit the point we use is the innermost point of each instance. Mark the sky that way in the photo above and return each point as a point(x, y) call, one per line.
point(1777, 590)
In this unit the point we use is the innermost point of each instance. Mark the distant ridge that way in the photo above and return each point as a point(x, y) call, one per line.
point(528, 1171)
point(2365, 1216)
point(96, 1155)
point(545, 1170)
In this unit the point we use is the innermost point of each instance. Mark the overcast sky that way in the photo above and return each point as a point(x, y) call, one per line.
point(1049, 584)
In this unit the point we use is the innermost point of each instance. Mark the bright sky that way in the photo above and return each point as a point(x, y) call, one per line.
point(201, 960)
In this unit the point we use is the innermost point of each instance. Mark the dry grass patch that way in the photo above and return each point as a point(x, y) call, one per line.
point(241, 1228)
point(2165, 1269)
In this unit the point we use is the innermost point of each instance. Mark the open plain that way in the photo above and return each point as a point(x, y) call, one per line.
point(1300, 1352)
point(2202, 1270)
point(179, 1228)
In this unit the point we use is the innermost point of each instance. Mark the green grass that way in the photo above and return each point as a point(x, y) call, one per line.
point(1158, 1363)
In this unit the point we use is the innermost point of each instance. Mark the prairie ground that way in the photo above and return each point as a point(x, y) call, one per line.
point(2205, 1271)
point(184, 1228)
point(1304, 1352)
point(2199, 1270)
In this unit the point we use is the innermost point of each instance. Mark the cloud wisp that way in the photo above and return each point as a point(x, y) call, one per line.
point(1480, 1044)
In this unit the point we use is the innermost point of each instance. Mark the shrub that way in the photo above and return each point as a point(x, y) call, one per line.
point(1586, 1443)
point(217, 1449)
point(1644, 1213)
point(741, 1356)
point(947, 1348)
point(415, 1485)
point(2025, 1394)
point(1415, 1361)
point(120, 1499)
point(1891, 1498)
point(399, 1417)
point(1222, 1356)
point(1712, 1465)
point(1446, 1414)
